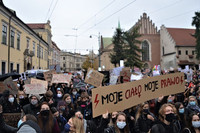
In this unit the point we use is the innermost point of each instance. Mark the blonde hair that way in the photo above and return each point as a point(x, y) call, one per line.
point(139, 112)
point(162, 110)
point(78, 125)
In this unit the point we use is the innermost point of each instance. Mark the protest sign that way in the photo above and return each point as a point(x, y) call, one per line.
point(189, 77)
point(116, 71)
point(79, 84)
point(113, 79)
point(27, 81)
point(136, 77)
point(94, 78)
point(48, 75)
point(156, 73)
point(123, 96)
point(126, 74)
point(34, 89)
point(61, 78)
point(37, 81)
point(12, 118)
point(9, 84)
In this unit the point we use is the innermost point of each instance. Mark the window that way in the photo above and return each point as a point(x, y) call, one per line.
point(41, 52)
point(163, 50)
point(186, 52)
point(38, 50)
point(17, 68)
point(27, 43)
point(4, 34)
point(193, 52)
point(12, 38)
point(3, 67)
point(63, 58)
point(145, 49)
point(64, 65)
point(34, 48)
point(179, 52)
point(11, 67)
point(18, 41)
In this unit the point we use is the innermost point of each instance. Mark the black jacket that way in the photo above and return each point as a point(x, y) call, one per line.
point(31, 109)
point(163, 128)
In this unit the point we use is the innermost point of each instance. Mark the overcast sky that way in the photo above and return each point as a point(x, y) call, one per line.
point(91, 17)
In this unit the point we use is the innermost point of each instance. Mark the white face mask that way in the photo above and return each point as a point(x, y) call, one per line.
point(121, 125)
point(74, 93)
point(196, 124)
point(11, 99)
point(59, 95)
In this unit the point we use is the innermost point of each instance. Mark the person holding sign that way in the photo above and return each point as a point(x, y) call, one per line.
point(144, 118)
point(168, 120)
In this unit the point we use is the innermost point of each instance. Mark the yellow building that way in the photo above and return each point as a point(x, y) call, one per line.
point(27, 49)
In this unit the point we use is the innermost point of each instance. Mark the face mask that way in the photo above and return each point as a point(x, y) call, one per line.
point(21, 97)
point(74, 93)
point(192, 103)
point(170, 117)
point(19, 123)
point(196, 124)
point(146, 111)
point(34, 102)
point(169, 100)
point(181, 111)
point(62, 109)
point(67, 127)
point(11, 99)
point(45, 112)
point(121, 125)
point(18, 85)
point(68, 101)
point(59, 95)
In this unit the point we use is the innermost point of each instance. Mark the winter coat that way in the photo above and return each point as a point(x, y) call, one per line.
point(29, 127)
point(11, 108)
point(31, 109)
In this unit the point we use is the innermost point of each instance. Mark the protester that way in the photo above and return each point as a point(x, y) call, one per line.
point(74, 95)
point(168, 121)
point(34, 106)
point(181, 114)
point(192, 106)
point(23, 99)
point(193, 124)
point(46, 121)
point(69, 110)
point(144, 119)
point(48, 97)
point(74, 125)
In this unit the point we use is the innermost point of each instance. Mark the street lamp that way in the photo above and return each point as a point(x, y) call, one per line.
point(99, 41)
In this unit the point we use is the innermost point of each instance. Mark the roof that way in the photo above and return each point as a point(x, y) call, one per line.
point(182, 37)
point(185, 62)
point(37, 26)
point(56, 45)
point(106, 41)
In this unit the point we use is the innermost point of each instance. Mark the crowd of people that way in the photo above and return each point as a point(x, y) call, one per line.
point(66, 109)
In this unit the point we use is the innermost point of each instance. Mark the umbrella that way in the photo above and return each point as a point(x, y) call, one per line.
point(14, 75)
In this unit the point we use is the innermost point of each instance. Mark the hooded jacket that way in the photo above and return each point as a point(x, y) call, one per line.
point(29, 127)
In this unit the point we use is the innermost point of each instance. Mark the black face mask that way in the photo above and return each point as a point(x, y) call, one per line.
point(146, 111)
point(113, 120)
point(45, 112)
point(170, 117)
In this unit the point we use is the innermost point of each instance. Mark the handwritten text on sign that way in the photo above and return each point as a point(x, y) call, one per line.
point(94, 77)
point(61, 78)
point(123, 96)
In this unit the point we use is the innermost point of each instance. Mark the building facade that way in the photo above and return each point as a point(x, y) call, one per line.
point(177, 47)
point(56, 54)
point(21, 48)
point(70, 61)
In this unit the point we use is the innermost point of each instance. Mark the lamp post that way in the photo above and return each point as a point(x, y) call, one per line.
point(99, 42)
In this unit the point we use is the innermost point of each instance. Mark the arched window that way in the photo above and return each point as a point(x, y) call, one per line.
point(145, 51)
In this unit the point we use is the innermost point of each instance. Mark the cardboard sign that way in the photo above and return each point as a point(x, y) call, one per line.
point(12, 118)
point(126, 74)
point(9, 84)
point(48, 75)
point(37, 81)
point(34, 89)
point(123, 96)
point(94, 78)
point(27, 81)
point(113, 79)
point(61, 78)
point(79, 84)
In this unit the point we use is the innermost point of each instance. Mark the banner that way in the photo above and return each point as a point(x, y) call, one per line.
point(48, 75)
point(37, 81)
point(34, 89)
point(94, 78)
point(124, 96)
point(12, 118)
point(61, 78)
point(9, 84)
point(126, 74)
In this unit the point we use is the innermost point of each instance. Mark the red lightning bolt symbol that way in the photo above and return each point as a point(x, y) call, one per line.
point(9, 86)
point(96, 100)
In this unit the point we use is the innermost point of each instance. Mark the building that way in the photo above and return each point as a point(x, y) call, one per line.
point(150, 44)
point(21, 47)
point(56, 54)
point(177, 47)
point(70, 61)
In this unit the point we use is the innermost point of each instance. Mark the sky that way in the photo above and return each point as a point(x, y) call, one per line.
point(73, 22)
